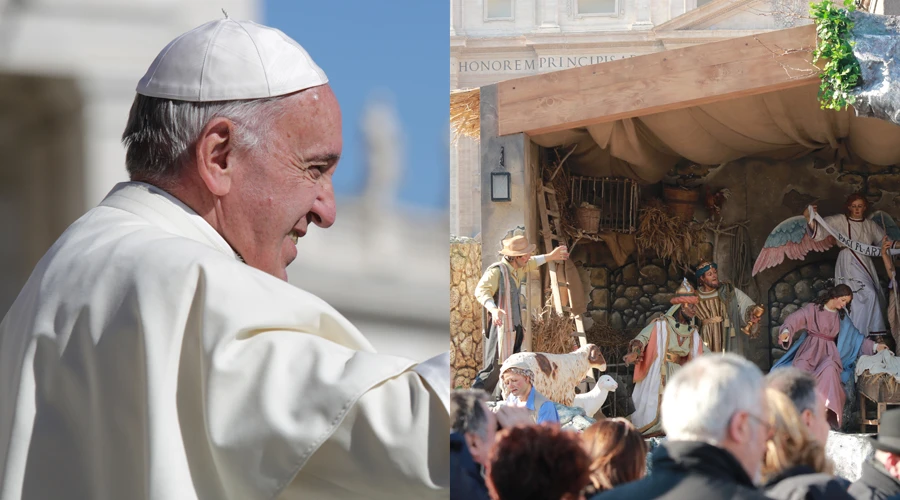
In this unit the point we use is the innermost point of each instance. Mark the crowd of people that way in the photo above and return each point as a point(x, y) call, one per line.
point(731, 432)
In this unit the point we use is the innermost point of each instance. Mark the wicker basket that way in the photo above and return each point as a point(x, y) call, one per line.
point(587, 219)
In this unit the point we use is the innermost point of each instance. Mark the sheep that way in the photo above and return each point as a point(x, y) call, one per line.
point(593, 400)
point(557, 375)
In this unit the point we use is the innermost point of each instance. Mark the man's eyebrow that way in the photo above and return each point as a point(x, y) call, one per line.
point(323, 158)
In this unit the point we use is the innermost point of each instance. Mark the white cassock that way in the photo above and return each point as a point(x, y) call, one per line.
point(144, 360)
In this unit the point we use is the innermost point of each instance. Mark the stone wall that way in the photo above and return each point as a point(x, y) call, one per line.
point(631, 296)
point(465, 312)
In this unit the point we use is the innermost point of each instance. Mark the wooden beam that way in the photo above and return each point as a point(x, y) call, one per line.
point(658, 82)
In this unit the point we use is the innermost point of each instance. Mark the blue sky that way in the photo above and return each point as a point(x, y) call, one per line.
point(369, 48)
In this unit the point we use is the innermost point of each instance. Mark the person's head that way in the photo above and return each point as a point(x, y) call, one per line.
point(707, 275)
point(836, 298)
point(258, 169)
point(517, 251)
point(790, 444)
point(470, 416)
point(800, 387)
point(887, 442)
point(618, 453)
point(537, 463)
point(719, 399)
point(890, 461)
point(856, 206)
point(686, 298)
point(518, 381)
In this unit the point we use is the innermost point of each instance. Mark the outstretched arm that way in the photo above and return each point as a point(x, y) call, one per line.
point(795, 322)
point(886, 245)
point(389, 438)
point(636, 346)
point(744, 303)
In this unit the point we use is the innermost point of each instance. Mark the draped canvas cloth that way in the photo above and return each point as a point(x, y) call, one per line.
point(783, 125)
point(143, 360)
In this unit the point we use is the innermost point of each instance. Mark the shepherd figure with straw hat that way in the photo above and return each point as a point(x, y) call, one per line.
point(498, 293)
point(658, 352)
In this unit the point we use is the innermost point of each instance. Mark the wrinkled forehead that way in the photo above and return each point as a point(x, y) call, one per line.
point(310, 124)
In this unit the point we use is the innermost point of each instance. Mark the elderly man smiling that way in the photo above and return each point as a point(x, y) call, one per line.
point(157, 352)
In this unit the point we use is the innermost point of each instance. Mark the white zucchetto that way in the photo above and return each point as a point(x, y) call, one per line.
point(228, 60)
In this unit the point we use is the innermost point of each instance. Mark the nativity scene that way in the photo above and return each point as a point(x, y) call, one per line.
point(740, 218)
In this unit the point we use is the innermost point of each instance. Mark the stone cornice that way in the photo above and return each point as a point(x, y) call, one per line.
point(700, 16)
point(596, 41)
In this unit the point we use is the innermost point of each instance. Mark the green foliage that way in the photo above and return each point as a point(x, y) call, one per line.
point(841, 72)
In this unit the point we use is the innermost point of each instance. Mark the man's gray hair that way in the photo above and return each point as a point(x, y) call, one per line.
point(161, 133)
point(467, 415)
point(701, 398)
point(797, 385)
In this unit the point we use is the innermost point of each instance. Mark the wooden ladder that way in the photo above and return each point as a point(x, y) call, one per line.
point(559, 285)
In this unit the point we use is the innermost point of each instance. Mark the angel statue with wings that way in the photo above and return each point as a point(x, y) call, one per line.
point(860, 240)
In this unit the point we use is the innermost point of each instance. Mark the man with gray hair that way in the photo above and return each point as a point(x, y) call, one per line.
point(800, 387)
point(157, 351)
point(472, 432)
point(715, 415)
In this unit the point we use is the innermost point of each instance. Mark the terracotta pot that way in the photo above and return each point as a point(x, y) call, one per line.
point(681, 201)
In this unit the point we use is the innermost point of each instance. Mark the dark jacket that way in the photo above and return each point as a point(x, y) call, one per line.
point(874, 483)
point(803, 483)
point(466, 481)
point(689, 470)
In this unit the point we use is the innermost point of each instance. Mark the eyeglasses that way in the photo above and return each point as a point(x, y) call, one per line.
point(770, 430)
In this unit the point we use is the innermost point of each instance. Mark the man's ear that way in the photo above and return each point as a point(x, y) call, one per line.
point(807, 417)
point(472, 442)
point(213, 151)
point(737, 427)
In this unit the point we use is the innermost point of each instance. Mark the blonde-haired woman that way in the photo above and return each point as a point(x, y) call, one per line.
point(618, 453)
point(795, 466)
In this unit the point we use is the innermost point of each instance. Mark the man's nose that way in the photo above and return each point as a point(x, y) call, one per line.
point(324, 212)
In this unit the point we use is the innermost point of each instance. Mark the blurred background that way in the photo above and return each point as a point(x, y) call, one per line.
point(68, 69)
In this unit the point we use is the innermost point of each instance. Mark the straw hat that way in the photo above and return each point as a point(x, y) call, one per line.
point(517, 246)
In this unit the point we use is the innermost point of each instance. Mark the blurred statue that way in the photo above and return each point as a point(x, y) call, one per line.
point(383, 139)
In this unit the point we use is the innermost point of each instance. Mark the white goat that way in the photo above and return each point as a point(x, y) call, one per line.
point(557, 375)
point(593, 400)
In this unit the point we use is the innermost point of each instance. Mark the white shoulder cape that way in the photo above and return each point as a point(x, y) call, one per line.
point(143, 360)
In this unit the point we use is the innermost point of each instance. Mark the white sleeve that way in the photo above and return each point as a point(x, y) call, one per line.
point(393, 443)
point(540, 260)
point(744, 303)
